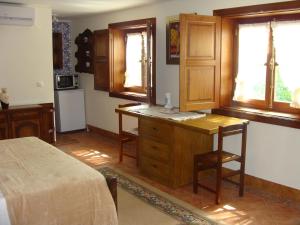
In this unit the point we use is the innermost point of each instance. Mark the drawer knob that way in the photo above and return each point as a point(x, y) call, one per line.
point(155, 166)
point(154, 147)
point(154, 128)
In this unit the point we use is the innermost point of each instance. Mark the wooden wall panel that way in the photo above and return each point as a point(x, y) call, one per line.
point(201, 83)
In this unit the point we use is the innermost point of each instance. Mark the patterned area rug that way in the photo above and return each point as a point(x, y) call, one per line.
point(174, 209)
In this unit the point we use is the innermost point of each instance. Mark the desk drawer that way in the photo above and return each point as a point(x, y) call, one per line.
point(154, 149)
point(32, 114)
point(155, 169)
point(159, 130)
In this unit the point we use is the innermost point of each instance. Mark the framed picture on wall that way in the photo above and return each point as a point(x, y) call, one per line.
point(172, 40)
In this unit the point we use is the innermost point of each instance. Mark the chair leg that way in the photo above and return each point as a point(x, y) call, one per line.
point(195, 179)
point(218, 185)
point(242, 179)
point(137, 152)
point(121, 152)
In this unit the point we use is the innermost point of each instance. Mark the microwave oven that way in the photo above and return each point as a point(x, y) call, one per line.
point(62, 82)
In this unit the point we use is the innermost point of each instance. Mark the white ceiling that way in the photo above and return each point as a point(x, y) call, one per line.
point(69, 8)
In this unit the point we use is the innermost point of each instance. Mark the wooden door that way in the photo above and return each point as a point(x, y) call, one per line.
point(101, 64)
point(199, 62)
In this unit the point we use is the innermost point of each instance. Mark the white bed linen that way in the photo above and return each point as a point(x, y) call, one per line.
point(4, 218)
point(42, 185)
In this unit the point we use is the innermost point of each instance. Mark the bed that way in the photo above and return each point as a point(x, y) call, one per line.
point(41, 185)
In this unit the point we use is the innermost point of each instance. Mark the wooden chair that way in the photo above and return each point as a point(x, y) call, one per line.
point(127, 136)
point(215, 160)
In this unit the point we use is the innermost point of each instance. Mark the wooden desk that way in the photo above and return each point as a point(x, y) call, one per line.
point(167, 147)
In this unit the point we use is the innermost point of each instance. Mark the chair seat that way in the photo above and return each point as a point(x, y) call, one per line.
point(210, 159)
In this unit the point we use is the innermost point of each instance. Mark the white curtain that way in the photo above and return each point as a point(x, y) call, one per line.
point(287, 44)
point(252, 56)
point(134, 59)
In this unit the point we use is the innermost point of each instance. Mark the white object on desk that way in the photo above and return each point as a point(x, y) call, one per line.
point(168, 104)
point(172, 114)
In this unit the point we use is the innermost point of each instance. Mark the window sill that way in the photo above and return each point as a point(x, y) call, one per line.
point(263, 116)
point(130, 96)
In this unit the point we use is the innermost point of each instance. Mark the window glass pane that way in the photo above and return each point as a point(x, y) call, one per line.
point(133, 74)
point(286, 36)
point(252, 56)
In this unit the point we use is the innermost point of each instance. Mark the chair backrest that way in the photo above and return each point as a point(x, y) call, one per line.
point(225, 131)
point(120, 115)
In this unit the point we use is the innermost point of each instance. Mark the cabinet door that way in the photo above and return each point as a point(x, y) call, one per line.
point(101, 71)
point(3, 126)
point(26, 128)
point(47, 123)
point(199, 62)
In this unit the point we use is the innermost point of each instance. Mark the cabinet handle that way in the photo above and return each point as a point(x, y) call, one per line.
point(155, 166)
point(154, 128)
point(154, 147)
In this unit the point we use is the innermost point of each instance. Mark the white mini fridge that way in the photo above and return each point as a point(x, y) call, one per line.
point(70, 110)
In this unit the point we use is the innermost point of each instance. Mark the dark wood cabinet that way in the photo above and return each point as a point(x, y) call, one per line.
point(57, 50)
point(28, 120)
point(84, 54)
point(101, 63)
point(47, 122)
point(3, 126)
point(26, 128)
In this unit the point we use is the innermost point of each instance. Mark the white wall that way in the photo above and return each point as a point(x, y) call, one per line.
point(26, 58)
point(273, 151)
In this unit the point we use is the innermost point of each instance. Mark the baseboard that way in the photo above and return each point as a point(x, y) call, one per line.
point(103, 132)
point(275, 189)
point(278, 190)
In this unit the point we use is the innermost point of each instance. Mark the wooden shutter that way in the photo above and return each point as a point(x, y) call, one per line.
point(101, 78)
point(199, 62)
point(116, 60)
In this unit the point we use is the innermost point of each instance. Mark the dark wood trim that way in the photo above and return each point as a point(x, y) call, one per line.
point(259, 10)
point(116, 87)
point(263, 116)
point(103, 132)
point(133, 24)
point(129, 96)
point(153, 91)
point(72, 131)
point(281, 113)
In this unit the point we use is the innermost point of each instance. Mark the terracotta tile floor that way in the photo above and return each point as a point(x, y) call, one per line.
point(255, 208)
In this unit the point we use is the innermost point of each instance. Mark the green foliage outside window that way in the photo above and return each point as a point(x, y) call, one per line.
point(282, 92)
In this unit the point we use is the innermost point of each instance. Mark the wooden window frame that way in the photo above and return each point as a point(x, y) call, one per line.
point(281, 113)
point(136, 89)
point(135, 93)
